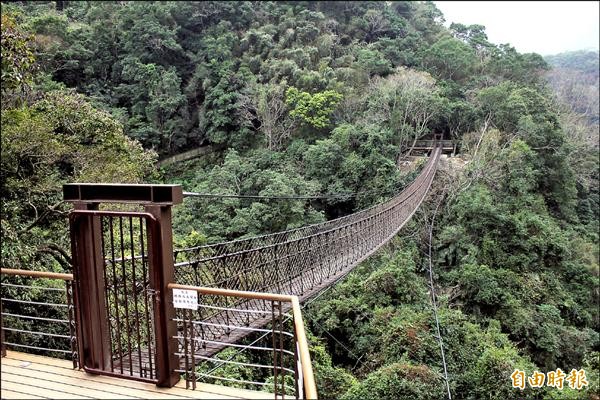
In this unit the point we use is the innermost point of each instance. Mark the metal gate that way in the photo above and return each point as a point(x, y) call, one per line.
point(122, 265)
point(116, 296)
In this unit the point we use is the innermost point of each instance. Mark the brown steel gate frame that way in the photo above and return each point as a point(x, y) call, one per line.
point(92, 289)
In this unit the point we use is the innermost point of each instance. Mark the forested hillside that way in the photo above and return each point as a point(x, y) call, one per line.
point(307, 98)
point(575, 77)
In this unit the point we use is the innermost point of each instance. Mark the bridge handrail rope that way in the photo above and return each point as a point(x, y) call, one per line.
point(410, 190)
point(320, 224)
point(291, 240)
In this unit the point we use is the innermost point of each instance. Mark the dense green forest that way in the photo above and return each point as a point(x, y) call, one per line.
point(308, 98)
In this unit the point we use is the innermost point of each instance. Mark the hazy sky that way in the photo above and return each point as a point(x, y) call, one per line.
point(547, 27)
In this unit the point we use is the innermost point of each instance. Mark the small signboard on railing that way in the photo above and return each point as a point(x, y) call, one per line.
point(185, 299)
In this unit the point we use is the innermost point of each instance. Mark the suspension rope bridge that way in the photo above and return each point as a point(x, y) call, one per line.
point(300, 262)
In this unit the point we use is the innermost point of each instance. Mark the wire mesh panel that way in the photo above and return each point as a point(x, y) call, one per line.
point(280, 262)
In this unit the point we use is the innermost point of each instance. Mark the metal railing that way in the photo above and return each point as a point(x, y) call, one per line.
point(274, 359)
point(38, 313)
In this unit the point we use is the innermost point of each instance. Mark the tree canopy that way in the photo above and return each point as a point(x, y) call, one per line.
point(322, 97)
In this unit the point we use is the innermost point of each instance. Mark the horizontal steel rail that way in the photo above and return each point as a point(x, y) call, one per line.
point(300, 350)
point(26, 327)
point(48, 289)
point(233, 293)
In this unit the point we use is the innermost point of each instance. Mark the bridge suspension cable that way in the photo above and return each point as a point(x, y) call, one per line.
point(434, 299)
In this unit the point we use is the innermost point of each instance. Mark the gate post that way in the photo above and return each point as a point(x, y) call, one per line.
point(88, 266)
point(162, 272)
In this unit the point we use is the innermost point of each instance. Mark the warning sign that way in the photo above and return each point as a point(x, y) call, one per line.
point(185, 299)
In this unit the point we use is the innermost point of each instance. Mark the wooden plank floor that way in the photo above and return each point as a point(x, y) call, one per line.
point(27, 376)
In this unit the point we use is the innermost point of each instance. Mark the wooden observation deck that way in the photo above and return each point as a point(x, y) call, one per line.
point(37, 377)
